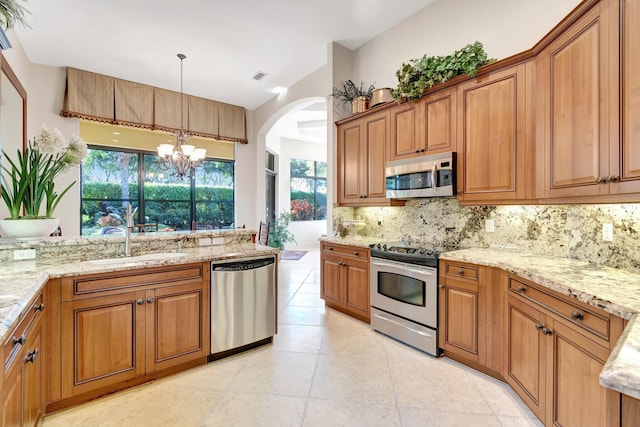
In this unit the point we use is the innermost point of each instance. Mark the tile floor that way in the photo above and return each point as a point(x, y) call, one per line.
point(323, 369)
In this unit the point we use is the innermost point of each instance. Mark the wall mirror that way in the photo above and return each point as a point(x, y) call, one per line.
point(13, 110)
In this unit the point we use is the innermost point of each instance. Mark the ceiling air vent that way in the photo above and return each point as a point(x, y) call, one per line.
point(259, 75)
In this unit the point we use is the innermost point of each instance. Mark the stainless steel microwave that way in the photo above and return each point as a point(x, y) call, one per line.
point(425, 176)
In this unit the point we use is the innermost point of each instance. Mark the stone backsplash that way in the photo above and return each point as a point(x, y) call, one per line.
point(571, 231)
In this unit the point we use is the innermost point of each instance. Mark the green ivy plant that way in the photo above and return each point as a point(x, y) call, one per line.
point(428, 71)
point(278, 232)
point(350, 91)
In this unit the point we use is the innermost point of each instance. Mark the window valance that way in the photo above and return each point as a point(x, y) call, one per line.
point(106, 99)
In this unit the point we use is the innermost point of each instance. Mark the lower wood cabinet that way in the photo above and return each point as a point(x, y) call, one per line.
point(344, 277)
point(122, 327)
point(554, 363)
point(22, 390)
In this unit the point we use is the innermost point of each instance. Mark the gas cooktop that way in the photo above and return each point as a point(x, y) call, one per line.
point(397, 251)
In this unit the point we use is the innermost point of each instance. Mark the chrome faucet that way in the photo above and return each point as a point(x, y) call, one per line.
point(128, 230)
point(179, 241)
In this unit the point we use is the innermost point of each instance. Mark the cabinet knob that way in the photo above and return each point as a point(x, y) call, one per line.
point(31, 356)
point(461, 271)
point(417, 151)
point(19, 341)
point(577, 315)
point(547, 331)
point(441, 286)
point(522, 289)
point(139, 301)
point(357, 254)
point(150, 300)
point(331, 249)
point(600, 180)
point(539, 326)
point(38, 308)
point(613, 178)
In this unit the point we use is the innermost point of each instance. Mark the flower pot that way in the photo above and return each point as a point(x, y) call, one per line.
point(359, 104)
point(29, 229)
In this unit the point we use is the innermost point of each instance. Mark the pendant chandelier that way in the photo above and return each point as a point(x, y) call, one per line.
point(181, 159)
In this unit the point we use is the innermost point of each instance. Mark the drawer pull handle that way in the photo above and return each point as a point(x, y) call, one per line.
point(547, 331)
point(38, 308)
point(577, 315)
point(522, 289)
point(357, 254)
point(31, 356)
point(139, 301)
point(539, 326)
point(150, 300)
point(19, 341)
point(461, 271)
point(331, 249)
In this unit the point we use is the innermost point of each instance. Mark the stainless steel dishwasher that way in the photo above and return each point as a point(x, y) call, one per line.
point(243, 304)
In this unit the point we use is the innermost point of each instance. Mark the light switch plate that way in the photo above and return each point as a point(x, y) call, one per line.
point(489, 226)
point(607, 232)
point(21, 254)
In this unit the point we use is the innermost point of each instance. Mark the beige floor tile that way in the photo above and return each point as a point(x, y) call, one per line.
point(519, 422)
point(216, 375)
point(248, 410)
point(420, 417)
point(323, 413)
point(298, 338)
point(301, 299)
point(363, 380)
point(270, 371)
point(310, 288)
point(314, 316)
point(337, 319)
point(352, 342)
point(499, 396)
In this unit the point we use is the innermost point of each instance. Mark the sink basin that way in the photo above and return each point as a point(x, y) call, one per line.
point(139, 258)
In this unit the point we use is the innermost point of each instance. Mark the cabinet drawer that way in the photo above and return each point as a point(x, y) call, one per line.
point(593, 321)
point(461, 270)
point(19, 335)
point(124, 281)
point(352, 251)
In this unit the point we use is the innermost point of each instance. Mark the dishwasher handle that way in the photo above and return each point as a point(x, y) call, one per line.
point(243, 265)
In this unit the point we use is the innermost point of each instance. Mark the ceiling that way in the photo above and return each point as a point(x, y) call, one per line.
point(226, 42)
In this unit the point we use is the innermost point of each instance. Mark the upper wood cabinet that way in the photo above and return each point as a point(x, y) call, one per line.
point(495, 144)
point(426, 126)
point(588, 109)
point(362, 155)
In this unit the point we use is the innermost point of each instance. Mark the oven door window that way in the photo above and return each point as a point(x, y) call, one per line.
point(402, 288)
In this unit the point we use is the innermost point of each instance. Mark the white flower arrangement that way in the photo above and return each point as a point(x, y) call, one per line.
point(29, 181)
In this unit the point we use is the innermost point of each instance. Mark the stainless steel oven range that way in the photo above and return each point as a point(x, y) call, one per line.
point(404, 294)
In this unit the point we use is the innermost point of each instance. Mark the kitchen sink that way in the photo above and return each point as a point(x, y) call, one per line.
point(138, 258)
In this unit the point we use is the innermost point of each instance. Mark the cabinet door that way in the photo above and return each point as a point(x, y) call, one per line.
point(526, 354)
point(357, 289)
point(175, 325)
point(459, 305)
point(376, 141)
point(12, 393)
point(578, 399)
point(436, 122)
point(32, 376)
point(331, 278)
point(405, 138)
point(492, 123)
point(629, 162)
point(573, 74)
point(103, 341)
point(350, 162)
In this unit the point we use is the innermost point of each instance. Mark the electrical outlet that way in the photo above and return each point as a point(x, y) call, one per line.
point(21, 254)
point(489, 226)
point(217, 241)
point(607, 232)
point(204, 242)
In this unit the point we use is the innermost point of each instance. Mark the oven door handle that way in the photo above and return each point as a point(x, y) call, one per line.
point(421, 272)
point(424, 334)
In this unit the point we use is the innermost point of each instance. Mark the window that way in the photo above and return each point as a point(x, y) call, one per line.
point(114, 178)
point(308, 190)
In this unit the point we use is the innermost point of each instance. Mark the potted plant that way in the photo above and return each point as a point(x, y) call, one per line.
point(12, 12)
point(28, 182)
point(357, 96)
point(278, 232)
point(428, 71)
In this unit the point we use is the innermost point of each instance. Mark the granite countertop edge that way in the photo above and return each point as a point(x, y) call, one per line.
point(612, 290)
point(22, 280)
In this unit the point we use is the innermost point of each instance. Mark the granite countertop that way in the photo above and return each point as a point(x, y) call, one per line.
point(22, 280)
point(359, 241)
point(612, 290)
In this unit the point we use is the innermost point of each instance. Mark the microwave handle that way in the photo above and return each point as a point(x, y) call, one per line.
point(434, 179)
